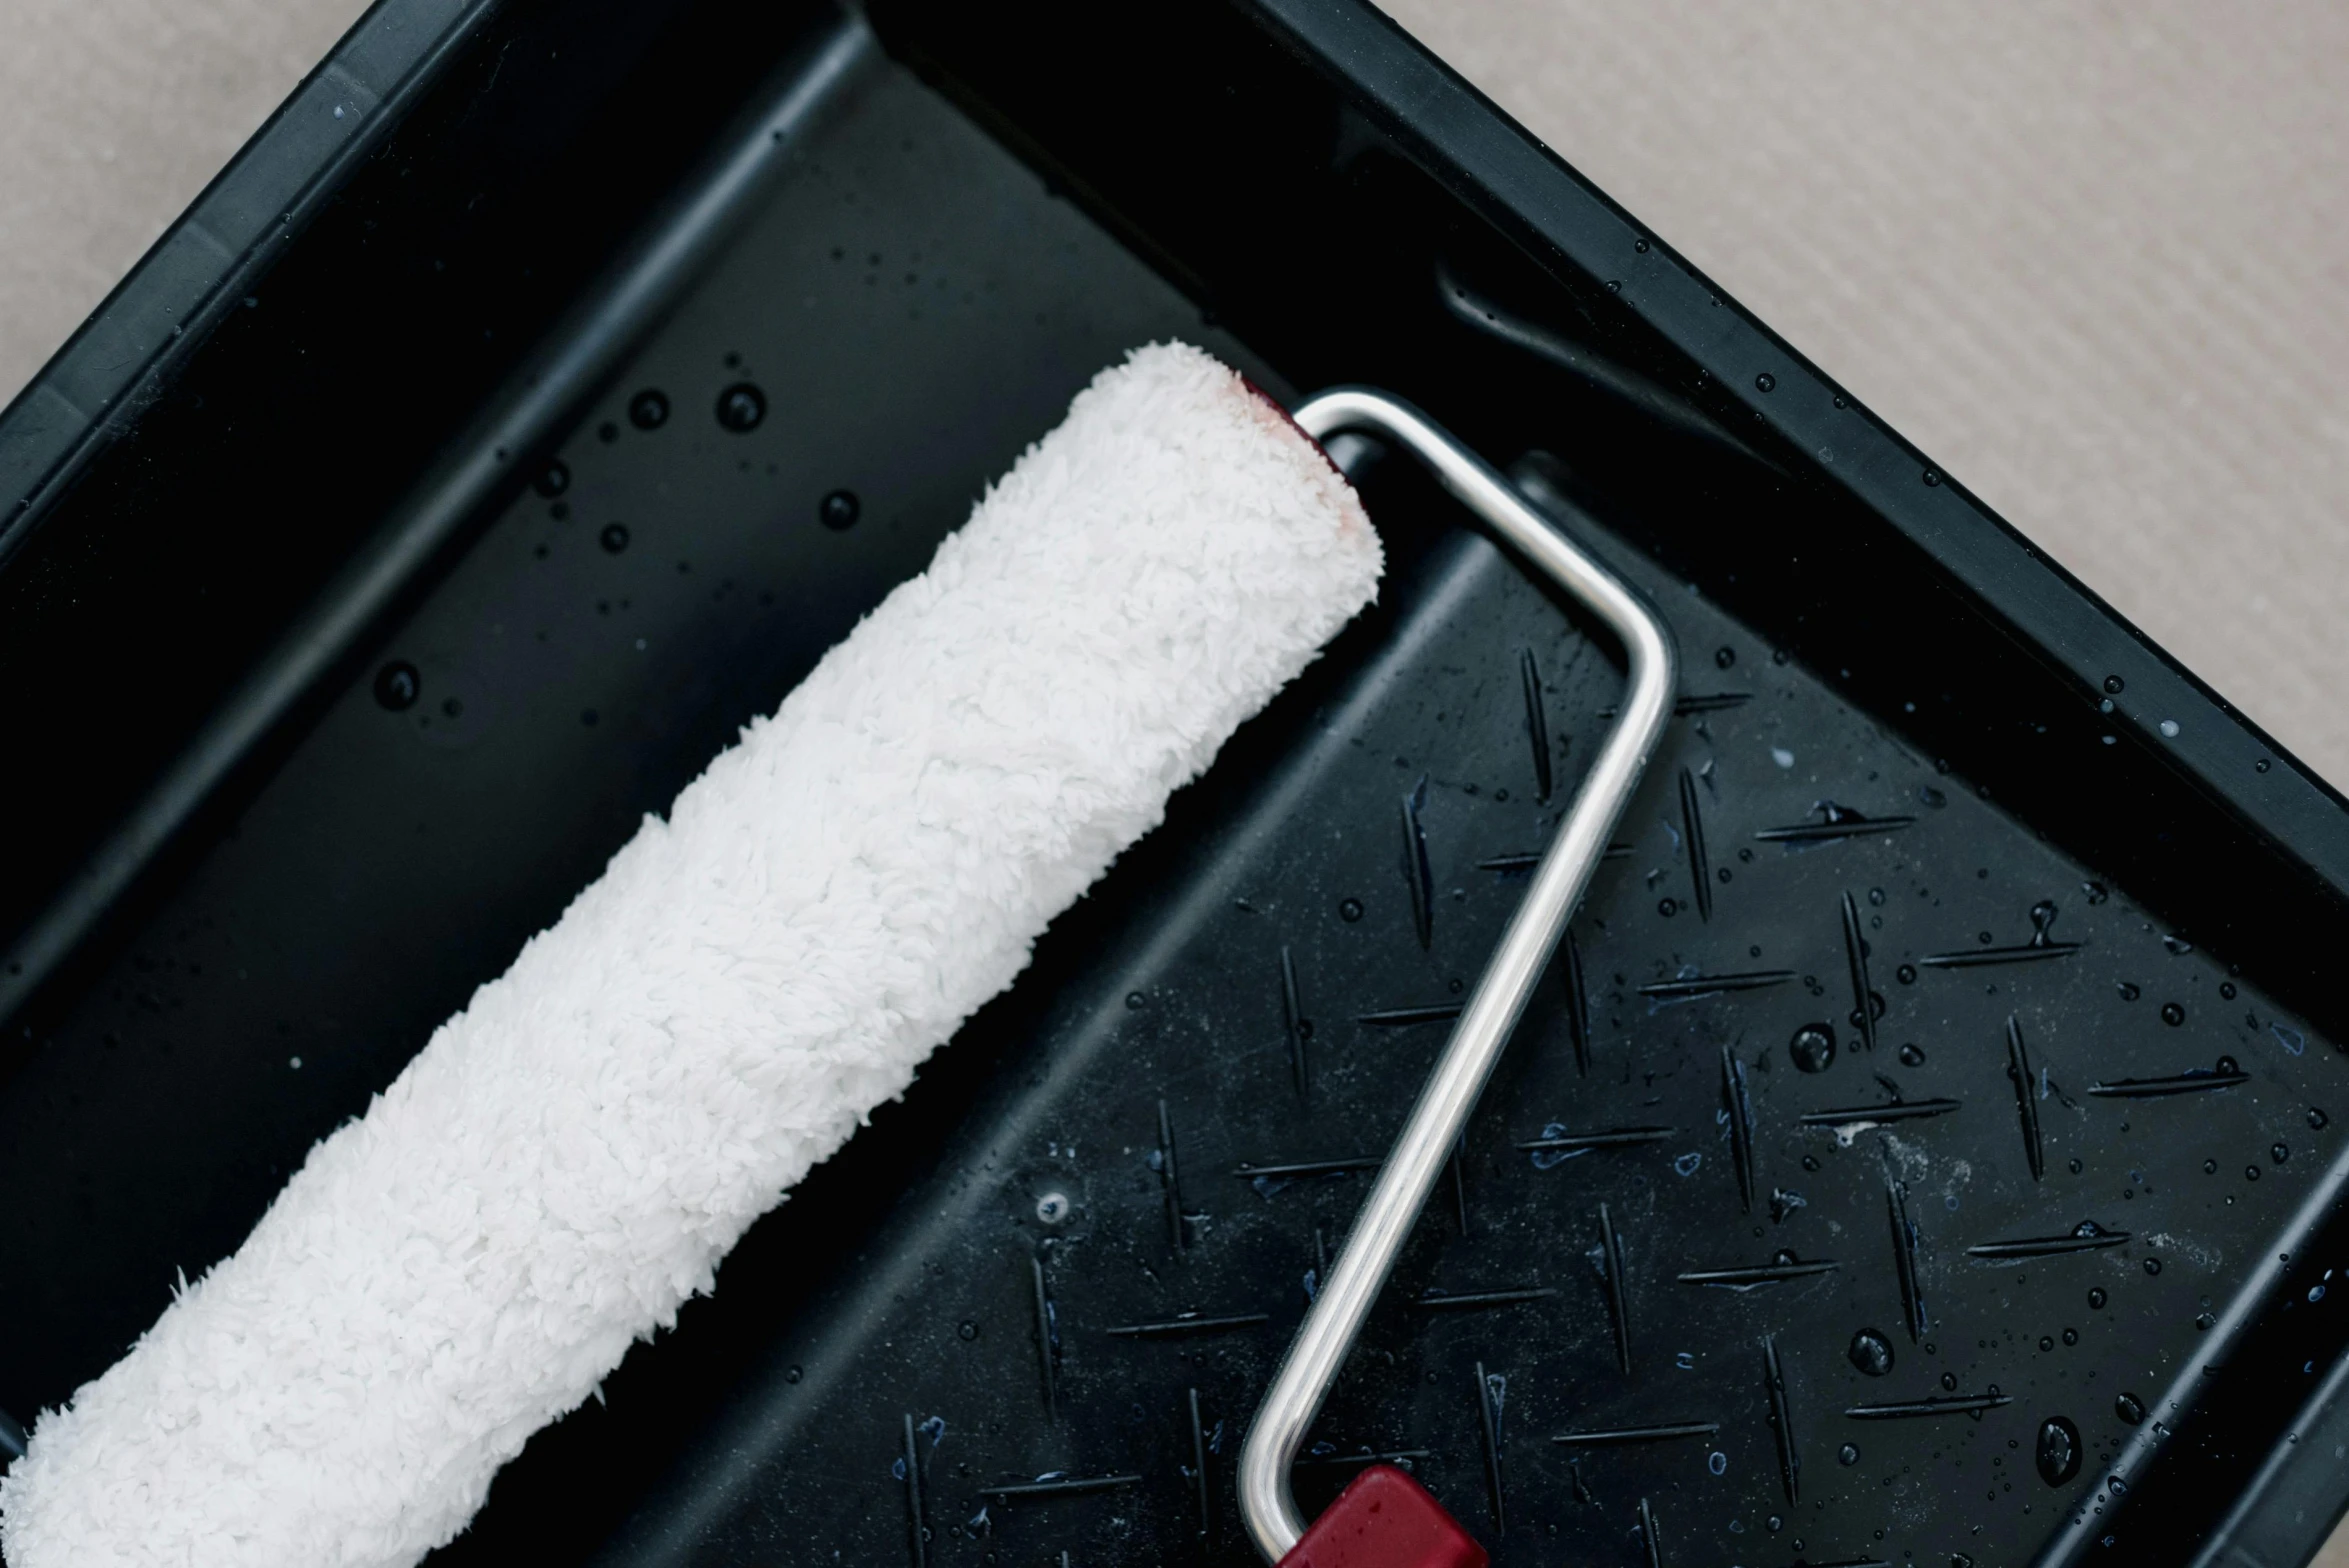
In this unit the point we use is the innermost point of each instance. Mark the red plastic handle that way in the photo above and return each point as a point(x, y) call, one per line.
point(1385, 1520)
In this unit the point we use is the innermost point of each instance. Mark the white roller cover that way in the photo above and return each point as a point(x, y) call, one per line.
point(568, 1158)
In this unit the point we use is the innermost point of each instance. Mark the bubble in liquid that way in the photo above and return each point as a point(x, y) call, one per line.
point(614, 538)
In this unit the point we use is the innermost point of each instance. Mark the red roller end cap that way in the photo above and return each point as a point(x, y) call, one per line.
point(1385, 1520)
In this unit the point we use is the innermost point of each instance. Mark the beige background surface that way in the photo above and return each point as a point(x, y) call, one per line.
point(2094, 257)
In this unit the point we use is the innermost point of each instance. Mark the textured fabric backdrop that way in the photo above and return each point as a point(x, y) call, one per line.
point(2094, 258)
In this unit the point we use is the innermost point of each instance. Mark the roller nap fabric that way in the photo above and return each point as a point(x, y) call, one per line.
point(567, 1160)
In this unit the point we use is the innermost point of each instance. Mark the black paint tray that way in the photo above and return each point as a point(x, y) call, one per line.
point(1927, 1149)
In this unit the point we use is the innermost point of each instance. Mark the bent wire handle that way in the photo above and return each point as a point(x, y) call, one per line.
point(1493, 1008)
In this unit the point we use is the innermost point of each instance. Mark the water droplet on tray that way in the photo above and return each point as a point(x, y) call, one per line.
point(2059, 1450)
point(397, 685)
point(1871, 1352)
point(1813, 1047)
point(614, 537)
point(2128, 1407)
point(649, 409)
point(840, 510)
point(741, 407)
